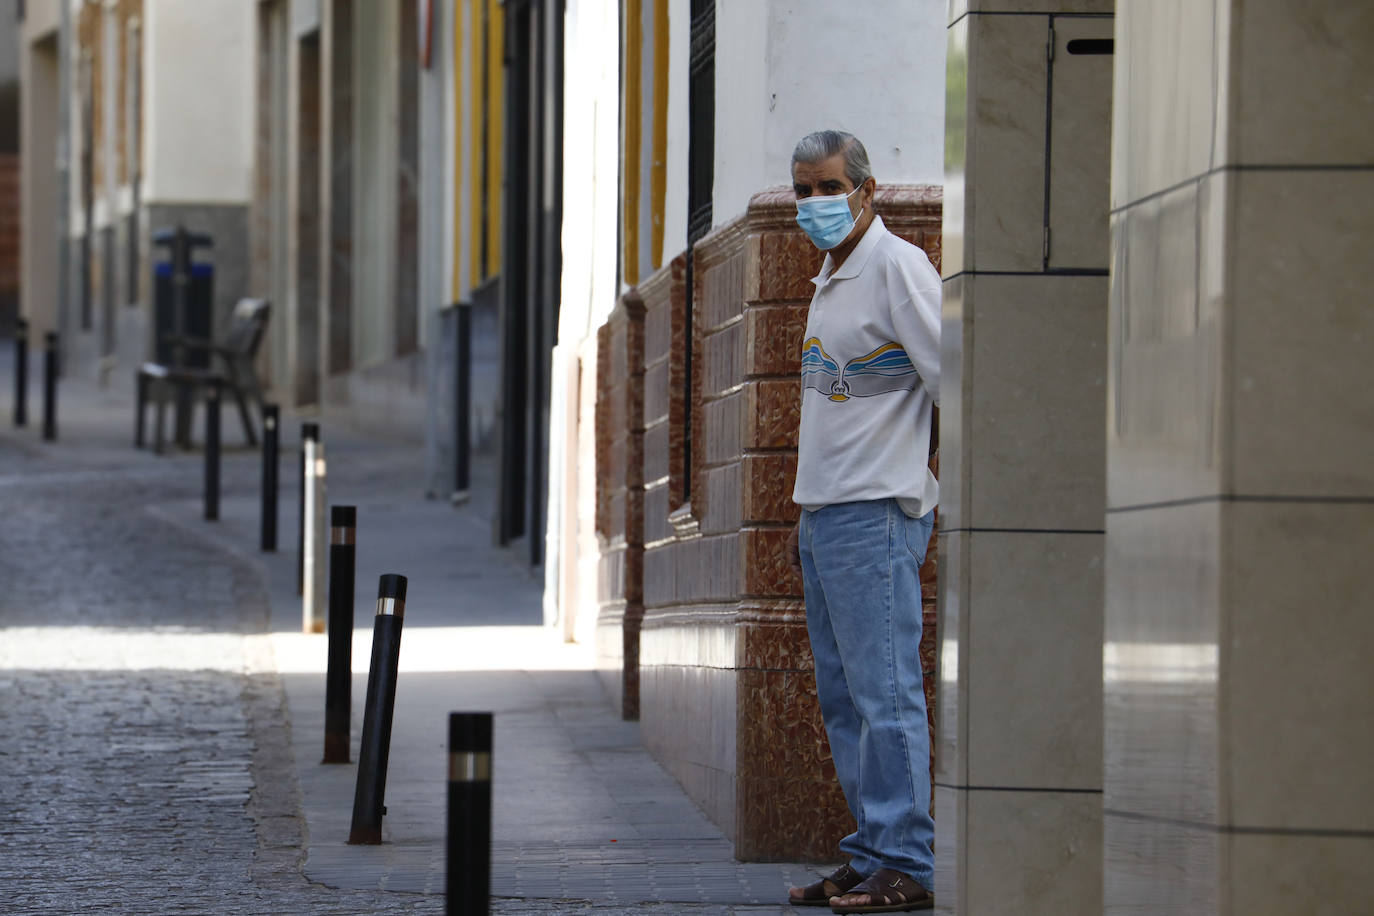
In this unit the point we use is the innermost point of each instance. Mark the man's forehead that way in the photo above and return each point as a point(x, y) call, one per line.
point(831, 169)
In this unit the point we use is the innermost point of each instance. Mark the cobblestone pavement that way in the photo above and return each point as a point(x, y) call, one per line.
point(145, 752)
point(136, 748)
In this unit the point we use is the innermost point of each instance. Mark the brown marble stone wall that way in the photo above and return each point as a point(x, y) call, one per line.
point(727, 695)
point(620, 500)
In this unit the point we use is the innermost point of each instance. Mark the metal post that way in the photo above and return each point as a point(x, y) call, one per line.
point(468, 881)
point(338, 679)
point(309, 433)
point(463, 406)
point(21, 372)
point(270, 416)
point(50, 387)
point(181, 299)
point(212, 452)
point(369, 798)
point(312, 589)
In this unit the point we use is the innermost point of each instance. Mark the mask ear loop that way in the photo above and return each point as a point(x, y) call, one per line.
point(861, 206)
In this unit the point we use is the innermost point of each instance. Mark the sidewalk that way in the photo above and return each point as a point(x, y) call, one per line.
point(581, 811)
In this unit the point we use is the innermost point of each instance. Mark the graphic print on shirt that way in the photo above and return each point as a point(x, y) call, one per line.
point(886, 369)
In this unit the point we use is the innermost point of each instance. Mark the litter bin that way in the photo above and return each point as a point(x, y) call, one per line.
point(190, 314)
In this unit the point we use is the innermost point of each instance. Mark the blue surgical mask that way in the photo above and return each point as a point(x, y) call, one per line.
point(826, 220)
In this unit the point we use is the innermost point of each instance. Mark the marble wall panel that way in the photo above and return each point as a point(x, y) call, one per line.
point(610, 651)
point(705, 569)
point(776, 644)
point(772, 412)
point(656, 392)
point(785, 767)
point(1166, 360)
point(786, 263)
point(1268, 873)
point(1137, 851)
point(1034, 597)
point(951, 853)
point(1171, 85)
point(687, 715)
point(767, 488)
point(721, 298)
point(657, 448)
point(956, 339)
point(660, 575)
point(611, 578)
point(656, 526)
point(1301, 323)
point(766, 571)
point(719, 431)
point(1323, 122)
point(1160, 665)
point(1006, 127)
point(658, 330)
point(722, 513)
point(1080, 146)
point(1035, 446)
point(1037, 852)
point(1297, 600)
point(956, 223)
point(722, 359)
point(774, 338)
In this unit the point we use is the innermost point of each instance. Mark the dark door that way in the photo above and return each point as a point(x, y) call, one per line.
point(531, 262)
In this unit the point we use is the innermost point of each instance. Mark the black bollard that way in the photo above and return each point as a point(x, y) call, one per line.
point(468, 880)
point(270, 416)
point(21, 372)
point(369, 799)
point(212, 452)
point(309, 431)
point(338, 679)
point(50, 387)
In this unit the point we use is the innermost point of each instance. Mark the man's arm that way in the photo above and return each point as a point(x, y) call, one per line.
point(915, 289)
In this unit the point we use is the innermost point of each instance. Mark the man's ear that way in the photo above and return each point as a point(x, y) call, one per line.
point(870, 188)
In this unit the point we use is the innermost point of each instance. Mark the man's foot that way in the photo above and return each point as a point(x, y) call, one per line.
point(884, 891)
point(819, 893)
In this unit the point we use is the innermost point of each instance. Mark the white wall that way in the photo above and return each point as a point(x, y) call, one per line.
point(591, 164)
point(787, 67)
point(199, 84)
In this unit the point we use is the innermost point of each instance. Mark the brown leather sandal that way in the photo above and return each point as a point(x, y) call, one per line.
point(888, 891)
point(837, 882)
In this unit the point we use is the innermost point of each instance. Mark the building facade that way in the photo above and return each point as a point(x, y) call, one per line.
point(136, 116)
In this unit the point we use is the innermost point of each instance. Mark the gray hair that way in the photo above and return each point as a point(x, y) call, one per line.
point(821, 145)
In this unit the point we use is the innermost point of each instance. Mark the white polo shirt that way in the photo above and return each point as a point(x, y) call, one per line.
point(870, 374)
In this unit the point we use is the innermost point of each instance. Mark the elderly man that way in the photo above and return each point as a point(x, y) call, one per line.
point(870, 378)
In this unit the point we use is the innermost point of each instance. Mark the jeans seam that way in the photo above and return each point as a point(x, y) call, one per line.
point(892, 672)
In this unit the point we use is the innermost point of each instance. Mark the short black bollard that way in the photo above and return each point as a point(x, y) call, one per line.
point(50, 387)
point(21, 372)
point(369, 799)
point(309, 432)
point(338, 679)
point(467, 887)
point(270, 417)
point(212, 452)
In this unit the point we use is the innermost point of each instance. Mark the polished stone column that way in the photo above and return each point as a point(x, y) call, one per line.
point(1019, 750)
point(1239, 695)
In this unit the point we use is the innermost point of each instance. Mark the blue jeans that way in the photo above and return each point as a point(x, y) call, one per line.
point(861, 571)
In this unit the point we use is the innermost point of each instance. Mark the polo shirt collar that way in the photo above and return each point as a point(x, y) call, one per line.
point(858, 258)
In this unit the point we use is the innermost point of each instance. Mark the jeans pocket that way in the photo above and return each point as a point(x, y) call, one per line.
point(917, 531)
